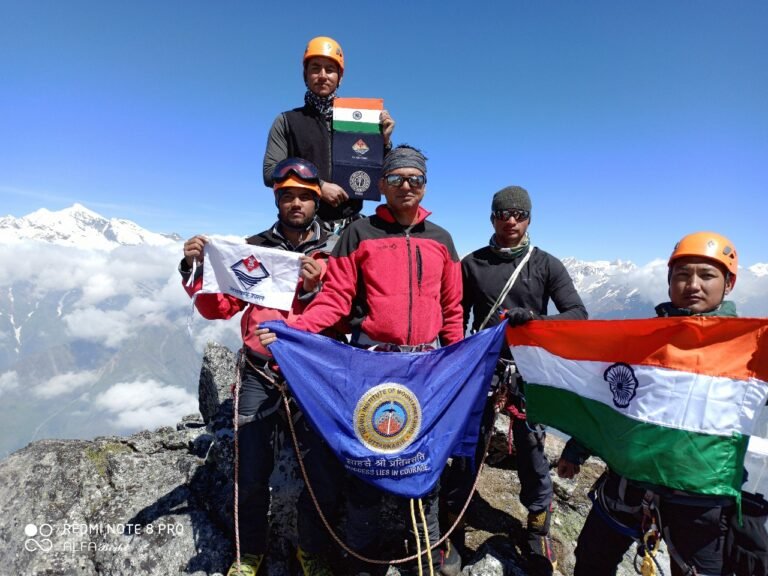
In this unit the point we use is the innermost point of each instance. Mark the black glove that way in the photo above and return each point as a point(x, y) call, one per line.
point(519, 316)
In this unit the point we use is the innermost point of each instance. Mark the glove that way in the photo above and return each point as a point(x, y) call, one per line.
point(520, 316)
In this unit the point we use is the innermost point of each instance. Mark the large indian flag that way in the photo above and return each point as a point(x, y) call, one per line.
point(669, 401)
point(357, 114)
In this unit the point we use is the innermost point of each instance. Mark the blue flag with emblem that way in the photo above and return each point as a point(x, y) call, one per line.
point(392, 418)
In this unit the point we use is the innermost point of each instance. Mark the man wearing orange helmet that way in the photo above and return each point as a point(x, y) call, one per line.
point(306, 131)
point(702, 271)
point(297, 192)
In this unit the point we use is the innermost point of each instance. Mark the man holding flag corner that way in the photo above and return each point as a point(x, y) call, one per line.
point(296, 195)
point(692, 509)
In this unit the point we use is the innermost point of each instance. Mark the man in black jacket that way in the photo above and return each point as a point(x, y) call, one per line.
point(305, 132)
point(511, 275)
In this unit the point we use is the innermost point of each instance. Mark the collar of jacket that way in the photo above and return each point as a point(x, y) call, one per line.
point(383, 212)
point(315, 236)
point(275, 237)
point(726, 309)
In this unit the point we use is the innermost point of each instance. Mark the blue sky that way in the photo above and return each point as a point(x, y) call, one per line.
point(631, 123)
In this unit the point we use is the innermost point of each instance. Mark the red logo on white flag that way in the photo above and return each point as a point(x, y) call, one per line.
point(251, 263)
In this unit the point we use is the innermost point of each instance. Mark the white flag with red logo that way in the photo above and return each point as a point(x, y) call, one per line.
point(264, 276)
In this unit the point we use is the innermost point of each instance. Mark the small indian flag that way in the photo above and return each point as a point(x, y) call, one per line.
point(668, 401)
point(357, 114)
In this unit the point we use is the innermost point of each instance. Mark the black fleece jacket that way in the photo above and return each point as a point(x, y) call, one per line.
point(543, 278)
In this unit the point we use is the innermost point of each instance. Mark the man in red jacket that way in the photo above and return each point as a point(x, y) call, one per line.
point(297, 193)
point(396, 278)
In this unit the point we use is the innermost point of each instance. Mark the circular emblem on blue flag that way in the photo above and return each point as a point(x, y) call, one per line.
point(387, 418)
point(360, 181)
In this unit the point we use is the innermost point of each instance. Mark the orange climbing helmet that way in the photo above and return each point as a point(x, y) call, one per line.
point(708, 245)
point(325, 46)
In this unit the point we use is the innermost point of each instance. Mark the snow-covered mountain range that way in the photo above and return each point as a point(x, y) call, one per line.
point(94, 334)
point(77, 226)
point(622, 289)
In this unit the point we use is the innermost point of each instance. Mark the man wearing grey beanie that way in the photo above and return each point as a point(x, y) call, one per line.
point(510, 276)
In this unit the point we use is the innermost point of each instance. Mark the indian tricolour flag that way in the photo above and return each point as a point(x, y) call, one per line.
point(669, 401)
point(357, 114)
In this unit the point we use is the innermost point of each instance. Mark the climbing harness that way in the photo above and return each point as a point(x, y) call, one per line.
point(651, 536)
point(686, 569)
point(509, 398)
point(651, 531)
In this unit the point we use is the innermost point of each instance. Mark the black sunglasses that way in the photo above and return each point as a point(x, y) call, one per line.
point(301, 168)
point(518, 215)
point(398, 180)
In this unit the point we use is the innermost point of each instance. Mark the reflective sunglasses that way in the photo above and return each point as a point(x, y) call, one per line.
point(301, 168)
point(398, 180)
point(518, 215)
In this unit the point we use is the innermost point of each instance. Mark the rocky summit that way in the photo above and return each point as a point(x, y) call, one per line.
point(160, 503)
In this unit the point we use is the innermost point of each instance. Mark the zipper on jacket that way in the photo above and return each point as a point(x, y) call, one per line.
point(419, 268)
point(410, 284)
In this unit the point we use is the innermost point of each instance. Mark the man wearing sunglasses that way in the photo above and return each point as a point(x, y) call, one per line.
point(297, 193)
point(397, 276)
point(306, 131)
point(486, 276)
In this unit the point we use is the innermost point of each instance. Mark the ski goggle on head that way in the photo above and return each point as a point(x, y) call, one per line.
point(301, 168)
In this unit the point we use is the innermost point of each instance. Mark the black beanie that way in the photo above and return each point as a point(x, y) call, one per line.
point(511, 198)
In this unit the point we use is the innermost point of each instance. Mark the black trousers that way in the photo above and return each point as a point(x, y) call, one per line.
point(261, 403)
point(532, 466)
point(328, 480)
point(364, 529)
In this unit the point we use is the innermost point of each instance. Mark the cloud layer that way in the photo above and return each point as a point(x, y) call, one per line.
point(66, 383)
point(146, 404)
point(112, 295)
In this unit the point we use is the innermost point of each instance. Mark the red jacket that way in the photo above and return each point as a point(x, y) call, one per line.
point(403, 285)
point(224, 306)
